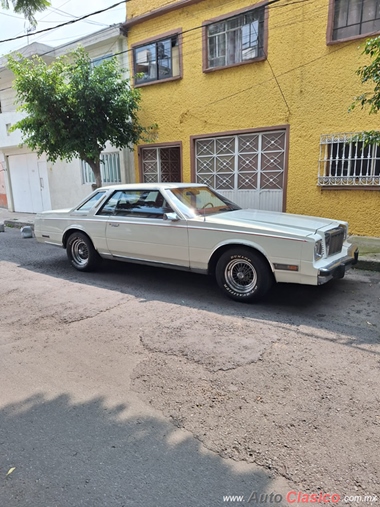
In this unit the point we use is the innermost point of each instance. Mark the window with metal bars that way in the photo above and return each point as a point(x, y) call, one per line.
point(346, 161)
point(161, 164)
point(252, 161)
point(109, 169)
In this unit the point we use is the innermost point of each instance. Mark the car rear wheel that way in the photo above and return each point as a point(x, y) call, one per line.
point(243, 275)
point(81, 252)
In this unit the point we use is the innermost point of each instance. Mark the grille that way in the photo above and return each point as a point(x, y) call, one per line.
point(334, 240)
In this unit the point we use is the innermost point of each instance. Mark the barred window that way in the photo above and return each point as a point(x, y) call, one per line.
point(346, 161)
point(161, 164)
point(109, 169)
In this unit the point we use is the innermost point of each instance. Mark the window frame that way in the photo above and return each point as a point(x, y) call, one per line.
point(225, 17)
point(155, 40)
point(347, 162)
point(137, 209)
point(159, 146)
point(88, 177)
point(98, 60)
point(92, 202)
point(330, 28)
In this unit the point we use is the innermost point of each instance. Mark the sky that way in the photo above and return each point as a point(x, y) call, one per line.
point(61, 11)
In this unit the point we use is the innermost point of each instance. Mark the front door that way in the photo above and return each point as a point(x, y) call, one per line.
point(29, 180)
point(136, 228)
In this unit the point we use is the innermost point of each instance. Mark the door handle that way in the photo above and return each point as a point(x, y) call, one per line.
point(112, 224)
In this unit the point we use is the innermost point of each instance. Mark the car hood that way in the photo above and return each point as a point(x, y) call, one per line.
point(272, 220)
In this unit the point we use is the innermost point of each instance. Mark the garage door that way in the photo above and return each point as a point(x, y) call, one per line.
point(29, 181)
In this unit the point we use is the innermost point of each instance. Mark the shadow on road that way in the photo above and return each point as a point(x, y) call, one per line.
point(69, 454)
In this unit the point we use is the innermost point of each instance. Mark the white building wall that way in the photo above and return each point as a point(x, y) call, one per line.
point(64, 178)
point(65, 182)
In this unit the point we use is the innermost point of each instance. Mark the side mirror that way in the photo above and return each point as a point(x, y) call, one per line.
point(173, 217)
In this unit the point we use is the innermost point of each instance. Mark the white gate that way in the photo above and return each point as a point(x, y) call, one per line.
point(29, 181)
point(247, 169)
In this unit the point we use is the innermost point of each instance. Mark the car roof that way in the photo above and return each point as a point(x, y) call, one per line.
point(153, 186)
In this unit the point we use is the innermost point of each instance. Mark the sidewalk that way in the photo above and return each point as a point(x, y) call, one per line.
point(11, 219)
point(369, 248)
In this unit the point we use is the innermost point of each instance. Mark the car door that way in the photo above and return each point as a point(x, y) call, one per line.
point(136, 228)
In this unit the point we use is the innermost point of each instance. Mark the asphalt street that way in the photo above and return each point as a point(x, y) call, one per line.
point(146, 387)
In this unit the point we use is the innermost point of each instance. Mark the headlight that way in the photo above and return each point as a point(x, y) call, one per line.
point(318, 249)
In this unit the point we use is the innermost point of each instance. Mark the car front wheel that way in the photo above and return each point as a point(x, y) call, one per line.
point(81, 252)
point(243, 275)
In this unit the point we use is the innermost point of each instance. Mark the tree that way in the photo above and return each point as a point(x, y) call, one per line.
point(370, 74)
point(27, 7)
point(73, 108)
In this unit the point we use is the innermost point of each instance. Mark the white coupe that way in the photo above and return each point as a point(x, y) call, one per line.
point(191, 227)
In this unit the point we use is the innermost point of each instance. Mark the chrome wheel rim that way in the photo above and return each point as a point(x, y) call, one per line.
point(79, 252)
point(241, 276)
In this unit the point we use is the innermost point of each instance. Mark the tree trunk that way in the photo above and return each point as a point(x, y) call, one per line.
point(95, 166)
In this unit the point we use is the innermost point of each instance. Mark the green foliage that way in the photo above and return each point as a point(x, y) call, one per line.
point(370, 74)
point(74, 108)
point(26, 7)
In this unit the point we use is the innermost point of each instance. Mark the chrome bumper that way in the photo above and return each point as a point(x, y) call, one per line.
point(338, 268)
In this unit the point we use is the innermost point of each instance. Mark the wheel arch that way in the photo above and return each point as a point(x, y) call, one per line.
point(70, 231)
point(224, 247)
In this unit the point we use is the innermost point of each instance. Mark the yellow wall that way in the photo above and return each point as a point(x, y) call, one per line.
point(313, 88)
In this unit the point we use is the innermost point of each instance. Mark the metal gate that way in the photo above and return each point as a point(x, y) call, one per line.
point(248, 168)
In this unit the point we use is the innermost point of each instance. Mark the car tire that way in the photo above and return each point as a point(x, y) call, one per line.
point(81, 252)
point(243, 274)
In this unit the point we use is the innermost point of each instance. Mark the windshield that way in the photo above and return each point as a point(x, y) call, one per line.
point(201, 201)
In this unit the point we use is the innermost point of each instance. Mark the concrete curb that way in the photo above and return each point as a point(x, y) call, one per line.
point(18, 224)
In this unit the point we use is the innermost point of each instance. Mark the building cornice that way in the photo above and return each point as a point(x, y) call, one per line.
point(156, 13)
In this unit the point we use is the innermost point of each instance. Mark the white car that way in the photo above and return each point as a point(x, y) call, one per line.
point(191, 227)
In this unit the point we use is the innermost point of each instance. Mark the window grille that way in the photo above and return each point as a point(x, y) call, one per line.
point(161, 164)
point(109, 169)
point(345, 161)
point(242, 162)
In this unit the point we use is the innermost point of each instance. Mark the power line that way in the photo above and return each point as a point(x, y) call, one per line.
point(65, 24)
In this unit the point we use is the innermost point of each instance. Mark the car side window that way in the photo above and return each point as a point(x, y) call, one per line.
point(136, 203)
point(90, 203)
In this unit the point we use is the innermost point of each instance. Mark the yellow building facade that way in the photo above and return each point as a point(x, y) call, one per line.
point(253, 99)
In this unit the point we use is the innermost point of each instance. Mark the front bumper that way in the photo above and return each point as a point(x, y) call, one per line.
point(338, 268)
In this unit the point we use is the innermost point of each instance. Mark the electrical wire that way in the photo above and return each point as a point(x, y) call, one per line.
point(65, 24)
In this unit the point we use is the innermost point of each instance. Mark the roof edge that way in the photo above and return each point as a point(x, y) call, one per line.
point(156, 13)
